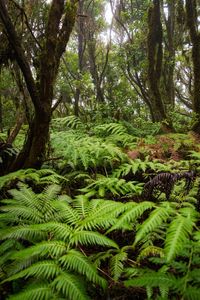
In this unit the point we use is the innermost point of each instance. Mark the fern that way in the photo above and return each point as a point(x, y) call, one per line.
point(82, 151)
point(75, 261)
point(138, 165)
point(39, 291)
point(69, 121)
point(41, 177)
point(84, 237)
point(70, 287)
point(52, 252)
point(113, 185)
point(154, 221)
point(155, 279)
point(149, 252)
point(178, 232)
point(133, 211)
point(116, 264)
point(110, 129)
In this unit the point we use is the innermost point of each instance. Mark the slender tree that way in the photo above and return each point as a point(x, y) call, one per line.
point(193, 24)
point(155, 56)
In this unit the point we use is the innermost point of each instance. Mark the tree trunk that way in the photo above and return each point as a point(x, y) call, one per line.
point(1, 115)
point(15, 130)
point(155, 55)
point(80, 30)
point(168, 69)
point(192, 23)
point(93, 70)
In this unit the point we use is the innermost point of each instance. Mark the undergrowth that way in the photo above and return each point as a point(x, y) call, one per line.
point(110, 215)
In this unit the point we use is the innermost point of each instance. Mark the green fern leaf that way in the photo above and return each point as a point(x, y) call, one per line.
point(177, 235)
point(75, 261)
point(70, 286)
point(134, 210)
point(149, 252)
point(154, 279)
point(44, 269)
point(154, 221)
point(28, 232)
point(91, 238)
point(48, 248)
point(39, 291)
point(116, 264)
point(24, 212)
point(192, 293)
point(60, 231)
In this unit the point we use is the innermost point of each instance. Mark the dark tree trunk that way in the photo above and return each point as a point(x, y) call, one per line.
point(59, 26)
point(1, 115)
point(80, 30)
point(168, 69)
point(93, 70)
point(192, 22)
point(155, 56)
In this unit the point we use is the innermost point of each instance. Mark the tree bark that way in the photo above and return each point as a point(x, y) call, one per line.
point(59, 26)
point(81, 48)
point(192, 23)
point(155, 56)
point(168, 68)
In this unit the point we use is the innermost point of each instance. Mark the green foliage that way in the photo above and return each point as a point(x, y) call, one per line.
point(40, 177)
point(53, 255)
point(56, 246)
point(81, 151)
point(103, 185)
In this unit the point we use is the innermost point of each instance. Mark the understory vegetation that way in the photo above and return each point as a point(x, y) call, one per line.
point(113, 214)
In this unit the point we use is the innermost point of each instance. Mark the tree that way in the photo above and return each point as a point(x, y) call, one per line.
point(193, 23)
point(155, 56)
point(40, 79)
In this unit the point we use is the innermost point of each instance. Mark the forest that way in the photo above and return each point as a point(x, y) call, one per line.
point(100, 149)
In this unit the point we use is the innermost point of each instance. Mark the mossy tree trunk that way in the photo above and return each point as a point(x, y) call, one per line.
point(155, 58)
point(58, 29)
point(193, 23)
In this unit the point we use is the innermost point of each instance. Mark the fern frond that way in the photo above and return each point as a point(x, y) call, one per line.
point(66, 213)
point(75, 261)
point(116, 264)
point(70, 287)
point(28, 232)
point(24, 196)
point(47, 248)
point(154, 221)
point(177, 235)
point(110, 129)
point(84, 237)
point(154, 279)
point(149, 252)
point(192, 293)
point(101, 214)
point(44, 269)
point(24, 212)
point(134, 210)
point(43, 176)
point(38, 291)
point(116, 186)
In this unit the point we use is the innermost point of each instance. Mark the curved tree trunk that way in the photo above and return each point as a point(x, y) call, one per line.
point(59, 26)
